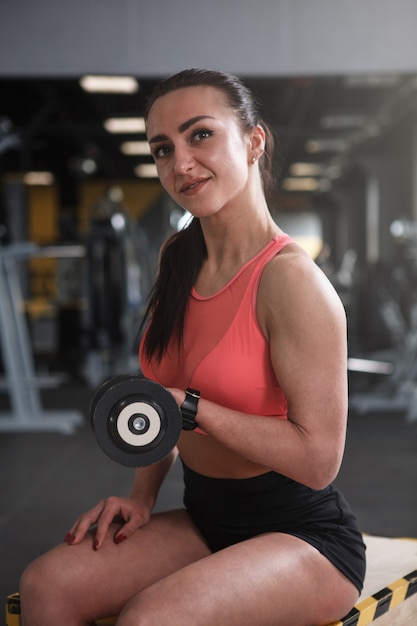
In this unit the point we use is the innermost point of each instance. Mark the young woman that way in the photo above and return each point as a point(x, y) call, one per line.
point(240, 313)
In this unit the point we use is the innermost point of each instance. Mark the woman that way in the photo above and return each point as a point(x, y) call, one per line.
point(240, 313)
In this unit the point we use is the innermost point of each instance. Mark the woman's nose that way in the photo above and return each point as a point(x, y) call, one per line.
point(183, 161)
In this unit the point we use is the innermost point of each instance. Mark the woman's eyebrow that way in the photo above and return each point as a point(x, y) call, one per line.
point(182, 128)
point(192, 121)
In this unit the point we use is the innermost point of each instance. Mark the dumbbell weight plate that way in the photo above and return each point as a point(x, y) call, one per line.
point(136, 421)
point(102, 390)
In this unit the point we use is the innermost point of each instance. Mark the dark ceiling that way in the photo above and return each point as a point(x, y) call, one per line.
point(52, 124)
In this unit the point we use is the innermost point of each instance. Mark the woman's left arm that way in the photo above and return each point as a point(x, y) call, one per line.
point(305, 324)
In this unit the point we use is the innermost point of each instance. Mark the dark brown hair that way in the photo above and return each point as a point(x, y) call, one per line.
point(183, 254)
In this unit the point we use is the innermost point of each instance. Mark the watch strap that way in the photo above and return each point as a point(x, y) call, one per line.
point(189, 409)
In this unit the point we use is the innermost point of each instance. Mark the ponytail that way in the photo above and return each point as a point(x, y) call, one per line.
point(181, 260)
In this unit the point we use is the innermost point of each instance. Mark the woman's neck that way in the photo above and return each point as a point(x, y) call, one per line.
point(234, 242)
point(229, 248)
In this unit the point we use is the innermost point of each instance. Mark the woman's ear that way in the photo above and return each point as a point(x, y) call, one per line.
point(257, 143)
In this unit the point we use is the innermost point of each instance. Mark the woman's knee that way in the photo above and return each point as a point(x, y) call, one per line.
point(34, 579)
point(35, 591)
point(40, 578)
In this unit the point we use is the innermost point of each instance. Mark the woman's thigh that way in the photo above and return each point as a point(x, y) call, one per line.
point(75, 582)
point(270, 580)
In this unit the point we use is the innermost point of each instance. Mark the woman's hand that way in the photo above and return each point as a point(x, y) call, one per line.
point(179, 394)
point(130, 511)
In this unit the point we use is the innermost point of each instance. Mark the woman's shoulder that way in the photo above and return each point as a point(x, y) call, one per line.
point(291, 279)
point(289, 262)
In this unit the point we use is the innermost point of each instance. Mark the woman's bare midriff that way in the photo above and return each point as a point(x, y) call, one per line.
point(208, 457)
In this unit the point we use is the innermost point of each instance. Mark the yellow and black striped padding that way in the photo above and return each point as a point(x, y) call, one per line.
point(369, 609)
point(13, 613)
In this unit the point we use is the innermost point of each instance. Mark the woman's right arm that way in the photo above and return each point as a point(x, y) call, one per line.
point(134, 510)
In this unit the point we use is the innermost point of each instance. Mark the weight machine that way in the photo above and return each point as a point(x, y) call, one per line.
point(397, 294)
point(116, 271)
point(21, 380)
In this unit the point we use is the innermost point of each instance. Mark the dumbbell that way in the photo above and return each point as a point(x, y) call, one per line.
point(136, 421)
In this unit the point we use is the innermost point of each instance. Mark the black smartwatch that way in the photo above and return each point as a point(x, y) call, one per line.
point(189, 409)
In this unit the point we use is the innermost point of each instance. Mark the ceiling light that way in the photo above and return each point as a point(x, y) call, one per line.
point(300, 184)
point(135, 147)
point(146, 170)
point(353, 120)
point(125, 125)
point(109, 84)
point(371, 81)
point(38, 178)
point(305, 169)
point(343, 120)
point(327, 145)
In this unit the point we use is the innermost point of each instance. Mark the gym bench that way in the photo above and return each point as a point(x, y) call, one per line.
point(389, 596)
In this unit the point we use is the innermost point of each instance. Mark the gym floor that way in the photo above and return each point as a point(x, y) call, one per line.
point(47, 479)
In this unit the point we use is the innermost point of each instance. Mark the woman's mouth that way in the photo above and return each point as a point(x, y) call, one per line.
point(193, 186)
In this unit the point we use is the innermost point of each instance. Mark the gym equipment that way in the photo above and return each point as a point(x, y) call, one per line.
point(389, 596)
point(13, 612)
point(116, 281)
point(136, 421)
point(20, 378)
point(394, 291)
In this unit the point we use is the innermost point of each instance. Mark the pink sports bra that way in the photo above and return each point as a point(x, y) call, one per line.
point(225, 355)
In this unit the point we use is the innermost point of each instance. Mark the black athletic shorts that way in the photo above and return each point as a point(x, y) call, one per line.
point(227, 511)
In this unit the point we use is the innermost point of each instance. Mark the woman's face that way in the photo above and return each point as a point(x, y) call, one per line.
point(202, 155)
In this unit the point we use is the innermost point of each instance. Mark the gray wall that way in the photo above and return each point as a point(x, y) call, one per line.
point(248, 37)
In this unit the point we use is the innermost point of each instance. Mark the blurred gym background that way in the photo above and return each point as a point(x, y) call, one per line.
point(82, 217)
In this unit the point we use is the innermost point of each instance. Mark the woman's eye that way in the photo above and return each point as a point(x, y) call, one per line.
point(200, 135)
point(160, 152)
